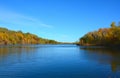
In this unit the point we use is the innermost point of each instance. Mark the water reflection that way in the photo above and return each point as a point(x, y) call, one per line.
point(106, 56)
point(58, 61)
point(16, 54)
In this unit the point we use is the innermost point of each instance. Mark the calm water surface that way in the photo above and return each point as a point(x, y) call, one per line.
point(58, 61)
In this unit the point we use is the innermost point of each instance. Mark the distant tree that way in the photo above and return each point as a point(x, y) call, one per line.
point(118, 24)
point(113, 24)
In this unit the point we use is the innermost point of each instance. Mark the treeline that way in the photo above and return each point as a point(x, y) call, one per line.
point(18, 37)
point(104, 36)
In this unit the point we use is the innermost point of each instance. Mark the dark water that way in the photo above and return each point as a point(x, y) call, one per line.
point(58, 61)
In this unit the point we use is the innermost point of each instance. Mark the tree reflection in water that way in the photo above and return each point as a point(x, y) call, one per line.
point(103, 55)
point(16, 54)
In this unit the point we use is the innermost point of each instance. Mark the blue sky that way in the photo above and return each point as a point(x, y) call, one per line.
point(61, 20)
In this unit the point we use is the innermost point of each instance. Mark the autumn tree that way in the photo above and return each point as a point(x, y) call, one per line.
point(104, 36)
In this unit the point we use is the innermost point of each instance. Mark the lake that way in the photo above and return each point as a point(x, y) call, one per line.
point(58, 61)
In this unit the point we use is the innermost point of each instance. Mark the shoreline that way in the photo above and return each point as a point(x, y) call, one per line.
point(99, 45)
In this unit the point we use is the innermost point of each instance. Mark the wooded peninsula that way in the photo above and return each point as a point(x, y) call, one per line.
point(102, 37)
point(18, 37)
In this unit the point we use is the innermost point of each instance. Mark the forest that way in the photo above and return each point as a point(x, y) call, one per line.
point(18, 37)
point(103, 36)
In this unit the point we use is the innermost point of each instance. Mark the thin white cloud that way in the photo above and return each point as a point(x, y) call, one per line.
point(45, 25)
point(19, 19)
